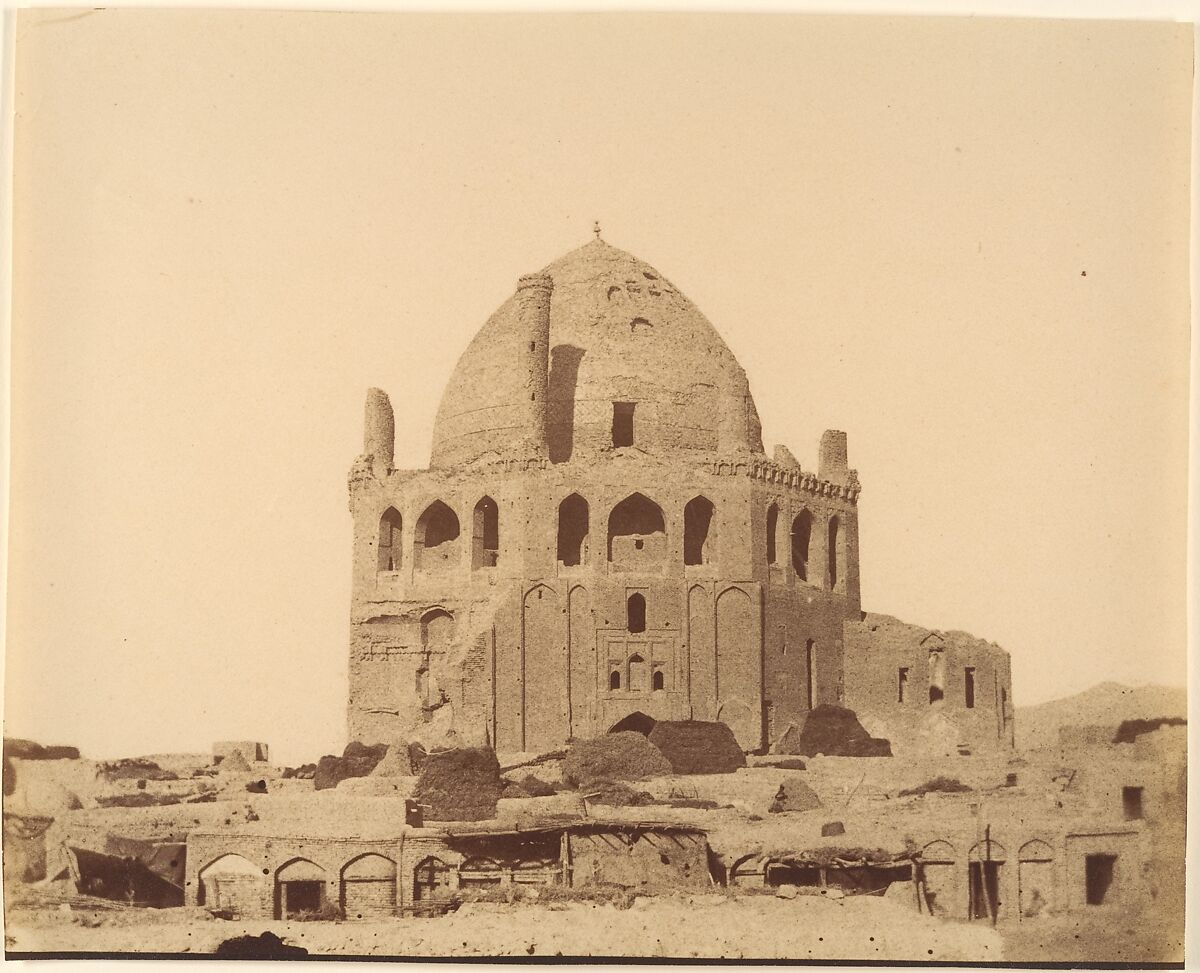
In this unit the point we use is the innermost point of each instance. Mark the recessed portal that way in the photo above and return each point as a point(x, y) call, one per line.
point(636, 721)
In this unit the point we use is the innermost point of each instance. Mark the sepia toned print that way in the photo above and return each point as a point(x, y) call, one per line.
point(612, 686)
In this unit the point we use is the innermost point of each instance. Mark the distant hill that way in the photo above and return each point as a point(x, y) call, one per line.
point(1104, 705)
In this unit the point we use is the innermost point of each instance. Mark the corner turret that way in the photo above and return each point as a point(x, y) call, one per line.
point(379, 432)
point(832, 465)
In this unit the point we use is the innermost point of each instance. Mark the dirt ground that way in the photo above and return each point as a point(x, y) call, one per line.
point(1115, 935)
point(696, 926)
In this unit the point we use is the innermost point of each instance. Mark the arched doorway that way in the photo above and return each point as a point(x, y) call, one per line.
point(369, 887)
point(636, 721)
point(431, 880)
point(985, 866)
point(1035, 878)
point(232, 884)
point(299, 887)
point(938, 860)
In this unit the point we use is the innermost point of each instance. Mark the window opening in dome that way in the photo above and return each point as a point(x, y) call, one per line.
point(969, 686)
point(640, 326)
point(901, 683)
point(622, 424)
point(699, 531)
point(801, 536)
point(772, 527)
point(572, 531)
point(485, 535)
point(635, 613)
point(389, 540)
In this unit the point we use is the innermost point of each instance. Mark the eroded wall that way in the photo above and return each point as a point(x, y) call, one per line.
point(911, 684)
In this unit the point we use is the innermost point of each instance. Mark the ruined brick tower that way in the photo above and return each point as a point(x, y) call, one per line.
point(599, 535)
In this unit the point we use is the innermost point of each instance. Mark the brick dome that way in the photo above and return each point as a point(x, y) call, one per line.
point(619, 333)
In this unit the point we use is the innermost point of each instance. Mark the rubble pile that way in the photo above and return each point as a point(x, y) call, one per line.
point(459, 785)
point(835, 732)
point(698, 747)
point(626, 755)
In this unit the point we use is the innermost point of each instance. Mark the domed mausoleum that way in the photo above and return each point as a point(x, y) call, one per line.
point(601, 537)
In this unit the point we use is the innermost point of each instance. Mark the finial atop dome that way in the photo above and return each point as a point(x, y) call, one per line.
point(596, 228)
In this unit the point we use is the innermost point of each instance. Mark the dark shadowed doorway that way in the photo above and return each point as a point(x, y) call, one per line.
point(637, 722)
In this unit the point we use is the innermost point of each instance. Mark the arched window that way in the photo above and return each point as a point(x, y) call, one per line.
point(572, 530)
point(485, 534)
point(657, 680)
point(637, 533)
point(614, 679)
point(635, 613)
point(772, 527)
point(434, 541)
point(832, 551)
point(389, 540)
point(699, 531)
point(801, 535)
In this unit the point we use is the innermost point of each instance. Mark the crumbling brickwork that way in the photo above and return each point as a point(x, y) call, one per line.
point(926, 687)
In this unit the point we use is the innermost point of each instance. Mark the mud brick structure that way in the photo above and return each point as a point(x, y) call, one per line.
point(912, 681)
point(600, 534)
point(268, 871)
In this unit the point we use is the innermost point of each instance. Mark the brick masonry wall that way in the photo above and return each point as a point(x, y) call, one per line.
point(270, 854)
point(879, 646)
point(533, 642)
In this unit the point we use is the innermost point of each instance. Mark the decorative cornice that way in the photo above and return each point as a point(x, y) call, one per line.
point(788, 476)
point(752, 466)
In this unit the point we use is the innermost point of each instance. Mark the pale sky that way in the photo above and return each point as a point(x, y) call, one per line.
point(963, 241)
